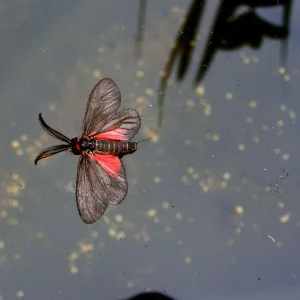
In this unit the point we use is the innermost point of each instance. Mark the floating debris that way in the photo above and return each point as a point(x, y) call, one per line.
point(285, 218)
point(239, 210)
point(228, 96)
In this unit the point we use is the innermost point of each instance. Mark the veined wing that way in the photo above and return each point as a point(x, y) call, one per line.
point(123, 125)
point(103, 102)
point(101, 180)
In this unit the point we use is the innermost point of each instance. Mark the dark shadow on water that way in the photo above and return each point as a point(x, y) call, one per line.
point(140, 28)
point(229, 32)
point(150, 296)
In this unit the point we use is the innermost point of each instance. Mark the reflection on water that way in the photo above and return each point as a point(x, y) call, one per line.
point(212, 208)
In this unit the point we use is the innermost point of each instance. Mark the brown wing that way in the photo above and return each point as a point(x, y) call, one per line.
point(122, 126)
point(95, 188)
point(103, 102)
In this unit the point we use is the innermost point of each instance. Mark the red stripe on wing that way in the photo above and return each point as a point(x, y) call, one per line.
point(117, 135)
point(110, 163)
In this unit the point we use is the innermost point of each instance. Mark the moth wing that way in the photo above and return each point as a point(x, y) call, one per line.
point(122, 126)
point(103, 102)
point(101, 180)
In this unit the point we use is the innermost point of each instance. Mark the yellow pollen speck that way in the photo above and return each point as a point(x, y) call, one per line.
point(239, 209)
point(286, 77)
point(246, 60)
point(163, 74)
point(195, 176)
point(281, 71)
point(249, 120)
point(140, 74)
point(149, 92)
point(119, 218)
point(129, 284)
point(187, 260)
point(13, 203)
point(190, 170)
point(267, 189)
point(85, 248)
point(38, 144)
point(285, 218)
point(15, 144)
point(20, 294)
point(204, 186)
point(3, 213)
point(280, 123)
point(140, 100)
point(277, 151)
point(178, 216)
point(224, 184)
point(207, 110)
point(256, 139)
point(215, 137)
point(165, 205)
point(154, 137)
point(283, 107)
point(112, 232)
point(151, 212)
point(74, 270)
point(74, 256)
point(285, 156)
point(175, 9)
point(13, 190)
point(97, 74)
point(292, 114)
point(241, 147)
point(226, 176)
point(252, 104)
point(19, 152)
point(157, 179)
point(238, 230)
point(190, 103)
point(24, 137)
point(15, 176)
point(280, 204)
point(39, 235)
point(200, 90)
point(184, 179)
point(228, 96)
point(2, 244)
point(120, 235)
